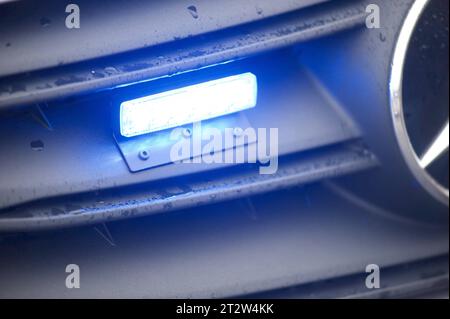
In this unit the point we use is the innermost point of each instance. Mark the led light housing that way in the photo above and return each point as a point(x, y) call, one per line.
point(188, 104)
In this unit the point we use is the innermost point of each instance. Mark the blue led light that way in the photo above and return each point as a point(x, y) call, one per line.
point(188, 104)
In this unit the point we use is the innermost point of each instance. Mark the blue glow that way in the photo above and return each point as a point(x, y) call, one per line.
point(188, 104)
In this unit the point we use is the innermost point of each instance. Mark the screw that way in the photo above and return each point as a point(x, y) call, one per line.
point(144, 155)
point(237, 131)
point(187, 132)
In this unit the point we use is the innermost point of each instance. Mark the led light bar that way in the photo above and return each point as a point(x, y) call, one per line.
point(189, 104)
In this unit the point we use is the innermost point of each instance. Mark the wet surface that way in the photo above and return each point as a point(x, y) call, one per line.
point(172, 58)
point(285, 238)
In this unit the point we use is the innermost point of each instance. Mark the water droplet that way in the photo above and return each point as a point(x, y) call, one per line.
point(193, 11)
point(110, 70)
point(45, 22)
point(382, 37)
point(37, 145)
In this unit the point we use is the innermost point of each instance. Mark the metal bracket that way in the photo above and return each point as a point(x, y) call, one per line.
point(154, 149)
